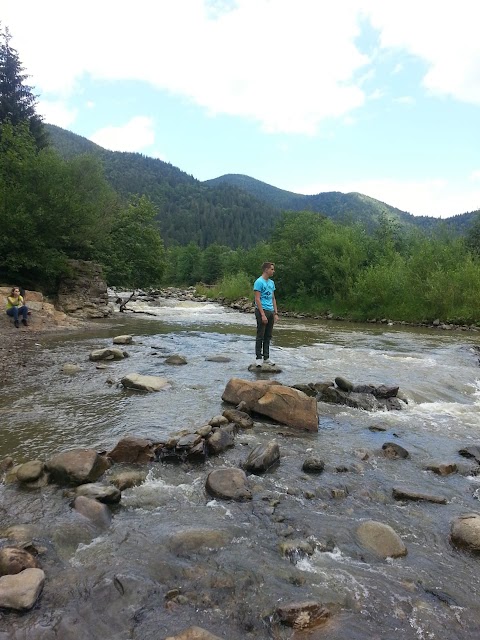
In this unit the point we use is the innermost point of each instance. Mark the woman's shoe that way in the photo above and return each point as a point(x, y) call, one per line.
point(16, 323)
point(25, 322)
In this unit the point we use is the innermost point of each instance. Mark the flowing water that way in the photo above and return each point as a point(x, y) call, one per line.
point(121, 583)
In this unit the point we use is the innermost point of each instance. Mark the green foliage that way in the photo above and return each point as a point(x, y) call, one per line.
point(17, 101)
point(134, 255)
point(231, 287)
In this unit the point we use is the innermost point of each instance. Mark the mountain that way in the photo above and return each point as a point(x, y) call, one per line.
point(233, 210)
point(189, 211)
point(342, 207)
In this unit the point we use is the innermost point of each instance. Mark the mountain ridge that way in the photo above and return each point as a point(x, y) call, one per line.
point(234, 209)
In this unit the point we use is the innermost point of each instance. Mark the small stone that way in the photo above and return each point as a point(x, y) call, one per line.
point(313, 465)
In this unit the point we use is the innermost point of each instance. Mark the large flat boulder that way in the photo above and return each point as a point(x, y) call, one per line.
point(77, 466)
point(144, 383)
point(283, 404)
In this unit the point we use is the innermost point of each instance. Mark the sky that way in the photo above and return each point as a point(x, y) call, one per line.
point(380, 97)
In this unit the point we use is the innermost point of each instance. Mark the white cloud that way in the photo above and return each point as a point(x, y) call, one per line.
point(57, 112)
point(475, 175)
point(442, 34)
point(135, 135)
point(405, 100)
point(435, 197)
point(286, 65)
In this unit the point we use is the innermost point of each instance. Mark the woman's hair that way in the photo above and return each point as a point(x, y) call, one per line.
point(13, 290)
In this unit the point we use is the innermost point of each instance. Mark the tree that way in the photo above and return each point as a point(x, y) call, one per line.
point(17, 100)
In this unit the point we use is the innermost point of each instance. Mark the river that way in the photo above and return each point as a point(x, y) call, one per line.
point(116, 584)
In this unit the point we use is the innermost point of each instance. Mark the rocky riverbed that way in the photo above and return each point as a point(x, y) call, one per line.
point(188, 519)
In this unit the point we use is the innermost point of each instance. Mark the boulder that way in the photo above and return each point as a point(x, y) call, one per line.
point(262, 457)
point(444, 469)
point(283, 404)
point(175, 360)
point(344, 384)
point(230, 484)
point(220, 440)
point(106, 493)
point(97, 512)
point(302, 615)
point(21, 591)
point(144, 383)
point(194, 633)
point(394, 451)
point(128, 479)
point(77, 466)
point(197, 539)
point(133, 450)
point(70, 368)
point(30, 471)
point(218, 421)
point(109, 353)
point(465, 532)
point(381, 539)
point(240, 418)
point(126, 339)
point(405, 494)
point(13, 560)
point(313, 465)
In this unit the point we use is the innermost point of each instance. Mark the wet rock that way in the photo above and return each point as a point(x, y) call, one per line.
point(384, 391)
point(240, 418)
point(21, 591)
point(394, 451)
point(198, 539)
point(472, 451)
point(106, 493)
point(230, 484)
point(394, 404)
point(465, 532)
point(97, 512)
point(220, 440)
point(313, 465)
point(308, 389)
point(71, 368)
point(265, 368)
point(133, 450)
point(106, 354)
point(405, 494)
point(13, 560)
point(206, 430)
point(295, 549)
point(344, 384)
point(376, 427)
point(194, 633)
point(303, 615)
point(262, 457)
point(283, 404)
point(144, 383)
point(188, 441)
point(175, 359)
point(442, 469)
point(381, 539)
point(77, 466)
point(126, 339)
point(218, 359)
point(6, 464)
point(128, 479)
point(363, 388)
point(218, 421)
point(30, 471)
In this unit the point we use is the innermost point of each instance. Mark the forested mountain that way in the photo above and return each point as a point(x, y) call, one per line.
point(342, 207)
point(189, 211)
point(233, 210)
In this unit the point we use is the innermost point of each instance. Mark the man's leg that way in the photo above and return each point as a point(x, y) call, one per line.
point(268, 334)
point(260, 334)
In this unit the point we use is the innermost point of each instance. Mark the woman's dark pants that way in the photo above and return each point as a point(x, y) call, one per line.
point(264, 334)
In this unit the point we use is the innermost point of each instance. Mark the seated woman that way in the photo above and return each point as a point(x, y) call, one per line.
point(16, 307)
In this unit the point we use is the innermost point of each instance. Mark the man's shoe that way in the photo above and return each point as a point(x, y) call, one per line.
point(269, 362)
point(24, 322)
point(258, 362)
point(16, 323)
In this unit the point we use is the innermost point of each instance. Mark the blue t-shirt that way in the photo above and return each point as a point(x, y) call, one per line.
point(266, 288)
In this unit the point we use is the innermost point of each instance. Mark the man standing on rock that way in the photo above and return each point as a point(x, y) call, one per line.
point(266, 313)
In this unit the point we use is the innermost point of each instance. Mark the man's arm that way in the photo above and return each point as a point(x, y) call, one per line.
point(275, 310)
point(259, 306)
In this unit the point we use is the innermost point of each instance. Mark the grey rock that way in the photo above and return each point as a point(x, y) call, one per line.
point(220, 440)
point(229, 484)
point(240, 418)
point(144, 383)
point(106, 493)
point(30, 471)
point(381, 539)
point(97, 512)
point(175, 360)
point(313, 465)
point(405, 494)
point(394, 451)
point(77, 466)
point(21, 591)
point(465, 532)
point(343, 384)
point(262, 457)
point(106, 354)
point(303, 615)
point(125, 339)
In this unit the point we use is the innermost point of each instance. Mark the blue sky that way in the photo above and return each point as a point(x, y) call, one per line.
point(376, 96)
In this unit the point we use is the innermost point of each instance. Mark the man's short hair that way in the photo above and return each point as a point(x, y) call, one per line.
point(267, 265)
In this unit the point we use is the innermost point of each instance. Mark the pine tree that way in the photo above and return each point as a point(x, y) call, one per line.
point(17, 100)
